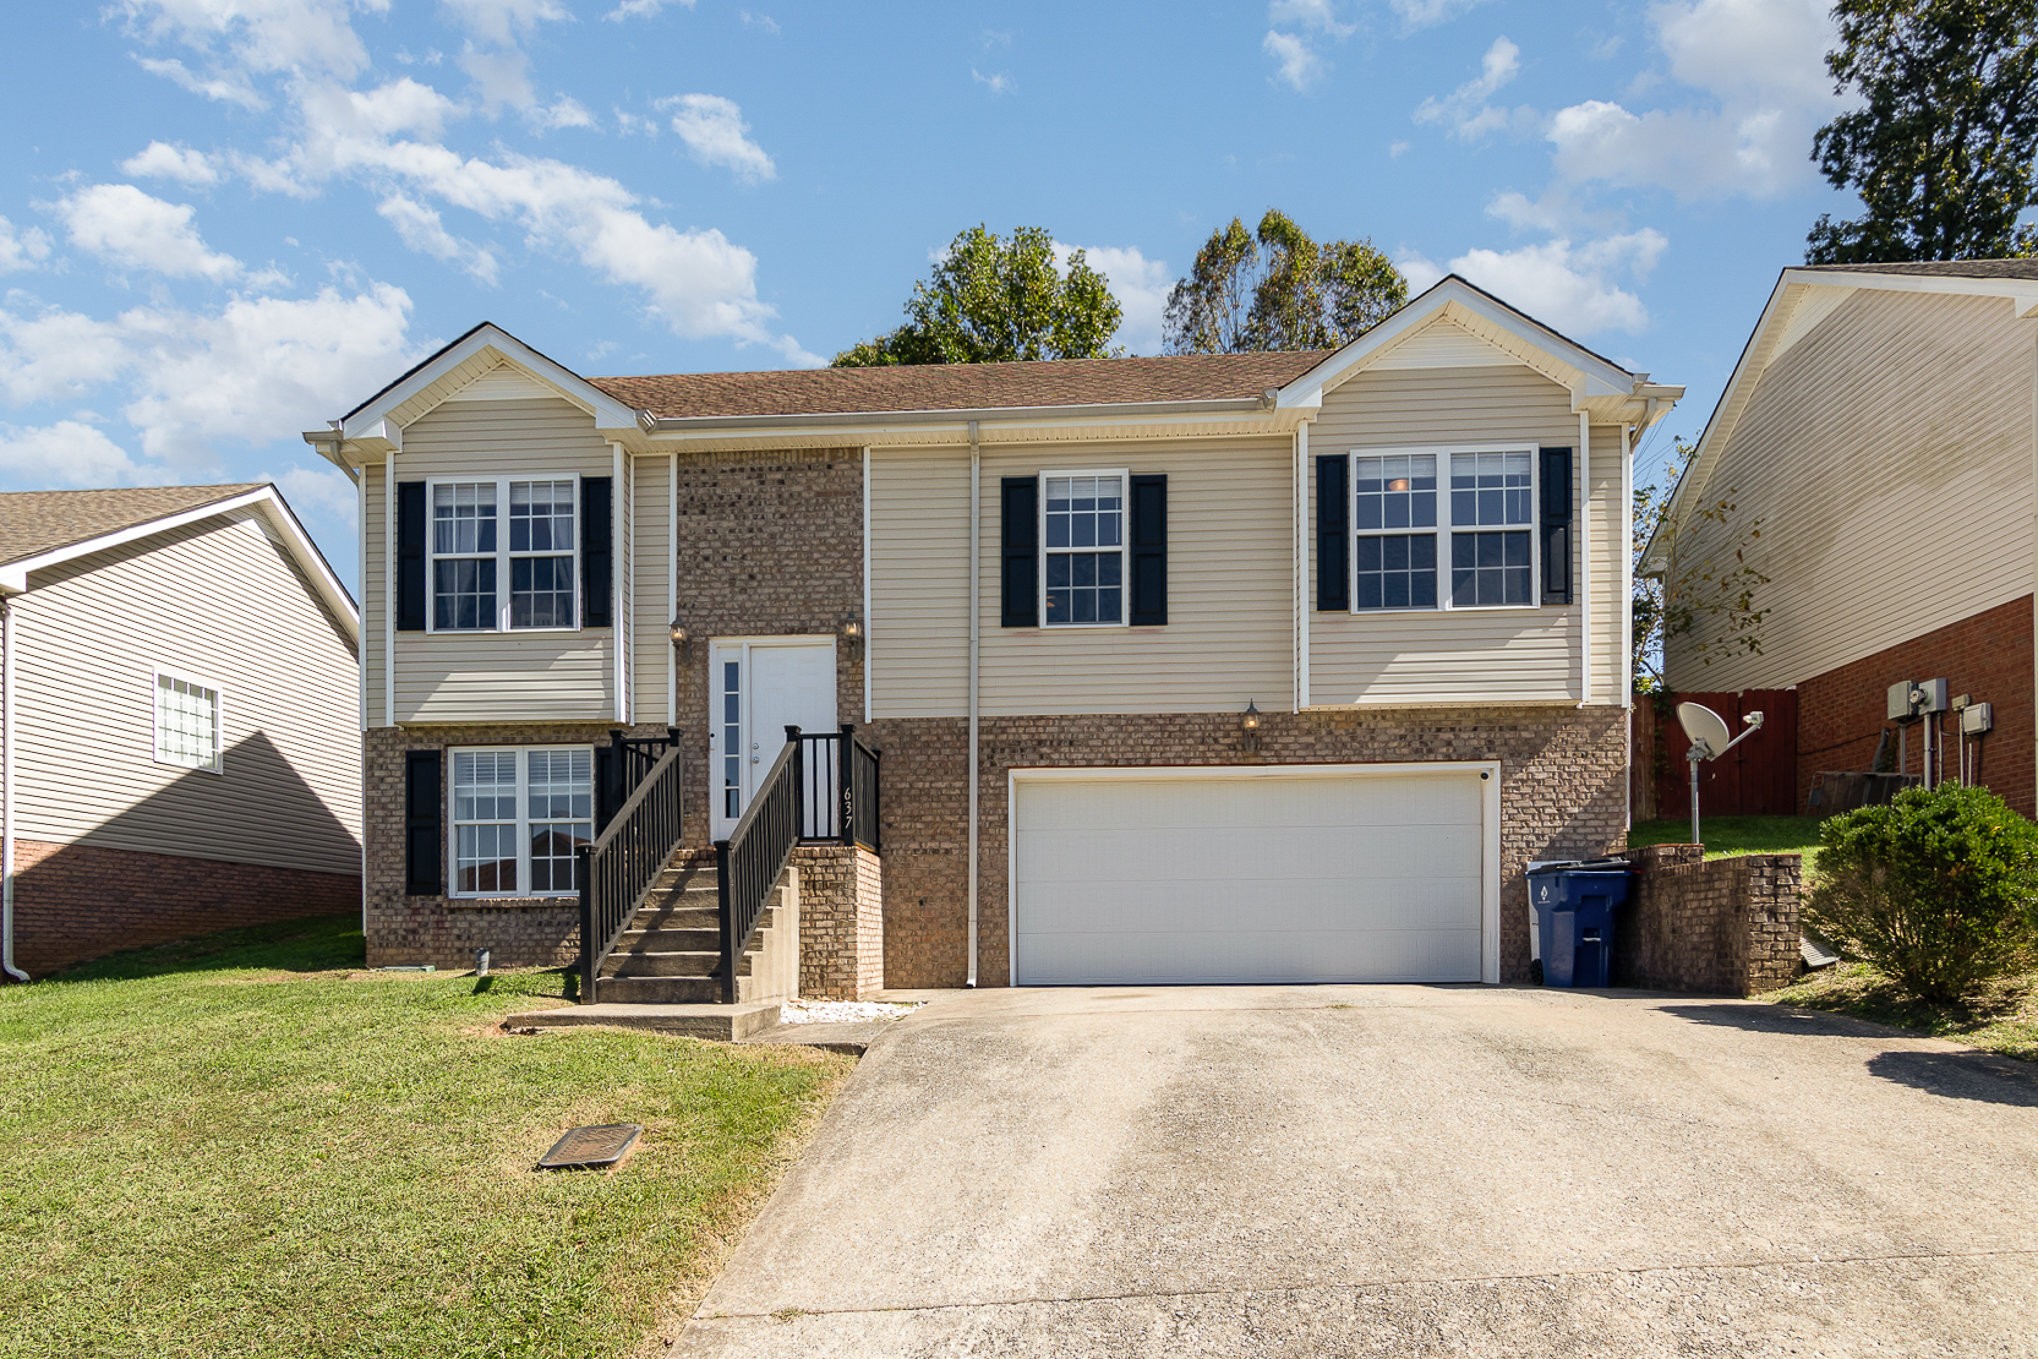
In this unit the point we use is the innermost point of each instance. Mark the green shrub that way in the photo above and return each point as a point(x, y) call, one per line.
point(1937, 889)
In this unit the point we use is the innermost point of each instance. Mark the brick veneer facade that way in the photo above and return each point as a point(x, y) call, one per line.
point(73, 903)
point(1563, 794)
point(842, 932)
point(1719, 926)
point(1989, 656)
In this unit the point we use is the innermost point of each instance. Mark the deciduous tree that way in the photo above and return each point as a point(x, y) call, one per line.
point(1277, 288)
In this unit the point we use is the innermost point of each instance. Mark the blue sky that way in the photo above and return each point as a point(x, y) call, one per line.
point(225, 221)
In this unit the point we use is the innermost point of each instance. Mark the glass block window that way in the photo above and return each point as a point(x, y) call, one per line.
point(1084, 523)
point(472, 556)
point(518, 817)
point(1491, 517)
point(187, 723)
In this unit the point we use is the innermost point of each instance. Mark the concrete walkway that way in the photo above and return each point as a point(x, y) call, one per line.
point(1397, 1171)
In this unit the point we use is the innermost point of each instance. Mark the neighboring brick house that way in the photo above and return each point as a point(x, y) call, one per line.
point(1259, 667)
point(178, 720)
point(1879, 434)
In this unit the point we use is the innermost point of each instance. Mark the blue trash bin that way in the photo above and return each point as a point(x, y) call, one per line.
point(1575, 905)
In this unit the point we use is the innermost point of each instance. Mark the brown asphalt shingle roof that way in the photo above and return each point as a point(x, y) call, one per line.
point(2020, 269)
point(961, 386)
point(35, 522)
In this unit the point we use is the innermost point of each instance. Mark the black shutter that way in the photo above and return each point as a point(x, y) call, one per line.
point(1019, 548)
point(423, 839)
point(1556, 525)
point(1333, 532)
point(1149, 541)
point(597, 551)
point(410, 556)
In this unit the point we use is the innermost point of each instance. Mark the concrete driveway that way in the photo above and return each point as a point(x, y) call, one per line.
point(1397, 1171)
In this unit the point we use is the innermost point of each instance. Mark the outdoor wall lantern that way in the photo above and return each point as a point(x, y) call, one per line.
point(852, 636)
point(682, 640)
point(1249, 727)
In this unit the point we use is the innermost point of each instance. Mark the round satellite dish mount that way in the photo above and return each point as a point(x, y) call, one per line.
point(1707, 729)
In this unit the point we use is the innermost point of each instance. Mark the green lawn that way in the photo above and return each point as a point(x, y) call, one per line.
point(1726, 836)
point(244, 1146)
point(2004, 1019)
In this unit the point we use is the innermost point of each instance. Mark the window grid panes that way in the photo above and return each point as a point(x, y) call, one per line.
point(541, 554)
point(1491, 491)
point(1085, 550)
point(187, 723)
point(503, 555)
point(464, 543)
point(518, 817)
point(1394, 512)
point(732, 739)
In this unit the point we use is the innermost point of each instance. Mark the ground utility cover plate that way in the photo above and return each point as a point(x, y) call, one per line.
point(599, 1145)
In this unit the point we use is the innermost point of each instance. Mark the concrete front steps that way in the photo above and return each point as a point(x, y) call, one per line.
point(671, 952)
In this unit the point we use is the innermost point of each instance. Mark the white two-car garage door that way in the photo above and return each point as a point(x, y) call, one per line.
point(1322, 874)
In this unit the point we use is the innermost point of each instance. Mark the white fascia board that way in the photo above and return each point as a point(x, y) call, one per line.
point(263, 500)
point(370, 422)
point(1596, 374)
point(2022, 292)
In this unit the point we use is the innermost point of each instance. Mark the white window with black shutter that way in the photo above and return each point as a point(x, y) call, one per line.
point(504, 554)
point(1084, 549)
point(1444, 529)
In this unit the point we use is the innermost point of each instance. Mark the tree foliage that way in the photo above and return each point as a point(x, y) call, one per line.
point(1942, 147)
point(1278, 289)
point(1935, 889)
point(996, 301)
point(1710, 589)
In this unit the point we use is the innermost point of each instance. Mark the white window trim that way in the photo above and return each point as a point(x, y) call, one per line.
point(1444, 527)
point(523, 830)
point(503, 555)
point(1124, 548)
point(157, 675)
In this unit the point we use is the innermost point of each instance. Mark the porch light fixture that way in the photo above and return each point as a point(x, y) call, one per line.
point(1249, 727)
point(852, 636)
point(681, 638)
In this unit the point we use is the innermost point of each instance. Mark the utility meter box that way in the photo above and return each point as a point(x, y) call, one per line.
point(1929, 696)
point(1900, 709)
point(1977, 719)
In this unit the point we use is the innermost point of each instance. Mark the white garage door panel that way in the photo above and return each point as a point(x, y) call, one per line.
point(1226, 877)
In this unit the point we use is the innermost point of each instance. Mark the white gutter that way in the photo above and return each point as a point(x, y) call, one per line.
point(976, 573)
point(7, 792)
point(960, 419)
point(1583, 519)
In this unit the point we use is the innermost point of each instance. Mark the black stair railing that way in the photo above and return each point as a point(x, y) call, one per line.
point(620, 866)
point(838, 789)
point(755, 853)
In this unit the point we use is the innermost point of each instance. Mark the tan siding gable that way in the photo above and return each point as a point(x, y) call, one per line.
point(219, 602)
point(1887, 460)
point(1508, 655)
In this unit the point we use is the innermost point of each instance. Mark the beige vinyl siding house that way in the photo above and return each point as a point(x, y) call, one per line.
point(1877, 445)
point(182, 706)
point(1168, 661)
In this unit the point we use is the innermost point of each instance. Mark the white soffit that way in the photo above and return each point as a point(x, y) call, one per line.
point(1813, 306)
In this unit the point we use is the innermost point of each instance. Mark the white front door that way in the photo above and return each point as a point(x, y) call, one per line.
point(758, 688)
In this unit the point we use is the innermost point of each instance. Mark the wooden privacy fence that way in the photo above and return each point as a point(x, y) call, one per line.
point(1758, 777)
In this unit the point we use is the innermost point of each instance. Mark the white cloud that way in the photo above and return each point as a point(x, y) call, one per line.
point(21, 249)
point(1418, 14)
point(323, 489)
point(501, 76)
point(1575, 289)
point(160, 160)
point(120, 223)
point(1296, 63)
point(635, 124)
point(1319, 15)
point(713, 129)
point(503, 22)
point(997, 82)
point(1465, 109)
point(58, 354)
point(1141, 286)
point(69, 453)
point(763, 23)
point(226, 89)
point(262, 35)
point(641, 9)
point(421, 228)
point(563, 112)
point(1758, 69)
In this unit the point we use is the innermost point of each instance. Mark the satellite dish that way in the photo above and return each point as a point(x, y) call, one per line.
point(1707, 729)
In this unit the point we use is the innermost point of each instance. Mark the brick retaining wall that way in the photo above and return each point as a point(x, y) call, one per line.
point(842, 933)
point(1715, 927)
point(73, 903)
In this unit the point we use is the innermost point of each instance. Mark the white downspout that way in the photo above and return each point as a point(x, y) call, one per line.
point(7, 792)
point(1582, 517)
point(1304, 547)
point(976, 571)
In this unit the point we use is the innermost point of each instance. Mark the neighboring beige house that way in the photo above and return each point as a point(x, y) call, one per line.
point(1262, 667)
point(1879, 433)
point(178, 751)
